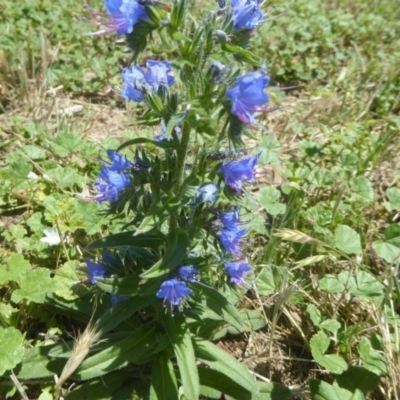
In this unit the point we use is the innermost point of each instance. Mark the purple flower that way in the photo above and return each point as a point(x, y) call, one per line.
point(237, 271)
point(119, 163)
point(231, 233)
point(188, 273)
point(109, 184)
point(135, 83)
point(95, 271)
point(230, 219)
point(235, 171)
point(230, 240)
point(159, 74)
point(173, 291)
point(248, 95)
point(122, 17)
point(246, 14)
point(207, 193)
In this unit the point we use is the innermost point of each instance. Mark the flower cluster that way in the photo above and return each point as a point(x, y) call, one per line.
point(241, 101)
point(137, 81)
point(231, 233)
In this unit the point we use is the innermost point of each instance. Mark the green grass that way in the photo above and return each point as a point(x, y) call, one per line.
point(327, 275)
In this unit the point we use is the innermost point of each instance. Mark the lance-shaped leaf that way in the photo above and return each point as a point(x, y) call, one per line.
point(120, 312)
point(221, 361)
point(148, 239)
point(181, 340)
point(132, 349)
point(176, 250)
point(218, 303)
point(163, 380)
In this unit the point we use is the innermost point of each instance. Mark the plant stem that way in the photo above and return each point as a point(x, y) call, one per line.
point(181, 158)
point(178, 178)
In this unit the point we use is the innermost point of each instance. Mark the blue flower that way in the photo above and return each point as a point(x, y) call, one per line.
point(119, 163)
point(237, 271)
point(230, 219)
point(173, 291)
point(207, 193)
point(124, 15)
point(230, 240)
point(135, 83)
point(246, 14)
point(231, 233)
point(248, 95)
point(235, 171)
point(159, 74)
point(95, 271)
point(109, 184)
point(188, 273)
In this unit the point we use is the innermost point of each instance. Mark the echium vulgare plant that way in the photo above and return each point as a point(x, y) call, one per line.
point(174, 273)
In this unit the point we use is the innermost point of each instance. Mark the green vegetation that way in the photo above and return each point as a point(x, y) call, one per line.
point(326, 230)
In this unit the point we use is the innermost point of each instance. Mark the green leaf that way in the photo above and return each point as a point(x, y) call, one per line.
point(363, 284)
point(131, 349)
point(66, 143)
point(392, 234)
point(158, 213)
point(331, 284)
point(362, 188)
point(17, 266)
point(373, 360)
point(120, 286)
point(37, 364)
point(66, 279)
point(270, 147)
point(101, 388)
point(120, 312)
point(347, 240)
point(65, 176)
point(270, 279)
point(319, 343)
point(393, 194)
point(139, 390)
point(219, 360)
point(315, 314)
point(273, 391)
point(357, 379)
point(321, 390)
point(389, 252)
point(178, 243)
point(163, 380)
point(11, 349)
point(269, 197)
point(34, 286)
point(181, 339)
point(148, 239)
point(330, 325)
point(33, 152)
point(218, 303)
point(213, 383)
